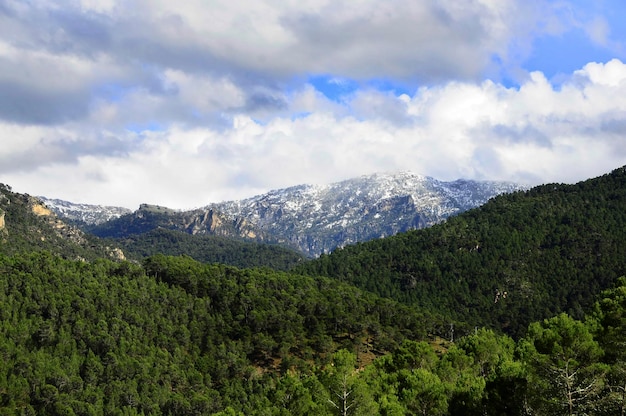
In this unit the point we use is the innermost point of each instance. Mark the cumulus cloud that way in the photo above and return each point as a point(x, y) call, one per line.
point(54, 57)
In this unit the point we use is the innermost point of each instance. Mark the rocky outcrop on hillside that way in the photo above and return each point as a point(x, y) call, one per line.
point(26, 224)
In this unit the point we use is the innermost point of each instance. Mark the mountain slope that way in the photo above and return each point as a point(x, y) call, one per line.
point(209, 249)
point(26, 224)
point(520, 257)
point(318, 219)
point(175, 337)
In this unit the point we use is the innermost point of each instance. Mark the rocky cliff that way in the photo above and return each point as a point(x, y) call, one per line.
point(318, 219)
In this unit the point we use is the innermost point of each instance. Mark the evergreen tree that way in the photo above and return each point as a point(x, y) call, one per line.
point(566, 375)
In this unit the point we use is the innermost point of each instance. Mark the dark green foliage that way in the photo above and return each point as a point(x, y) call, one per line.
point(521, 257)
point(609, 318)
point(179, 337)
point(567, 377)
point(209, 249)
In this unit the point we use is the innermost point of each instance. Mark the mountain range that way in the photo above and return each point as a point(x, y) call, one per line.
point(26, 224)
point(312, 219)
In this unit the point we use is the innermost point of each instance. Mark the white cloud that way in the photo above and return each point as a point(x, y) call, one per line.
point(537, 133)
point(185, 104)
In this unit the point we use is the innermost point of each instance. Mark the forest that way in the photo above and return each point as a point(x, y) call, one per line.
point(175, 336)
point(515, 308)
point(208, 249)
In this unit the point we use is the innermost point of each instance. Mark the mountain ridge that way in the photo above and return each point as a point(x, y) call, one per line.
point(26, 223)
point(315, 219)
point(89, 214)
point(359, 209)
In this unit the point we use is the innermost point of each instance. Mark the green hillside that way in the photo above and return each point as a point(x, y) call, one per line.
point(173, 336)
point(209, 249)
point(519, 258)
point(176, 337)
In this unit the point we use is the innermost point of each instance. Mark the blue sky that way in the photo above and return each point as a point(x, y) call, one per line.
point(124, 102)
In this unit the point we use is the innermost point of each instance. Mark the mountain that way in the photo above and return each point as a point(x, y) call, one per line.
point(173, 336)
point(85, 214)
point(318, 219)
point(520, 257)
point(27, 224)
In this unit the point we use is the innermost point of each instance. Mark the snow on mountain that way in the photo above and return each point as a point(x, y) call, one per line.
point(84, 213)
point(317, 219)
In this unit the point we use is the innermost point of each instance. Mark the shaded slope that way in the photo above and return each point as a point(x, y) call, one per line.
point(209, 249)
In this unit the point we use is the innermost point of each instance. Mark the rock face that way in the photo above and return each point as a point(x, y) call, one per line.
point(318, 219)
point(61, 228)
point(4, 200)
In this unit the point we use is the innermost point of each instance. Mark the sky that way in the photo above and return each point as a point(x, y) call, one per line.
point(187, 103)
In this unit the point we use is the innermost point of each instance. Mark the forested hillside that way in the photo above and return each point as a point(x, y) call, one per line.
point(28, 225)
point(174, 336)
point(519, 258)
point(209, 249)
point(181, 338)
point(81, 334)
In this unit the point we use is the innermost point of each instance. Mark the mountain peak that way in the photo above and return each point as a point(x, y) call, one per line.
point(84, 213)
point(318, 218)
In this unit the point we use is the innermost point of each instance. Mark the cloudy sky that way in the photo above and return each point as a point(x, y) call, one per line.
point(186, 103)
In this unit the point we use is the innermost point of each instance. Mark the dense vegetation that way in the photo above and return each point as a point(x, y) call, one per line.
point(209, 249)
point(519, 258)
point(179, 337)
point(177, 333)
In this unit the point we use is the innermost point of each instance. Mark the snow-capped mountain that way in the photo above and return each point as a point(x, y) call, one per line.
point(313, 219)
point(84, 213)
point(318, 219)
